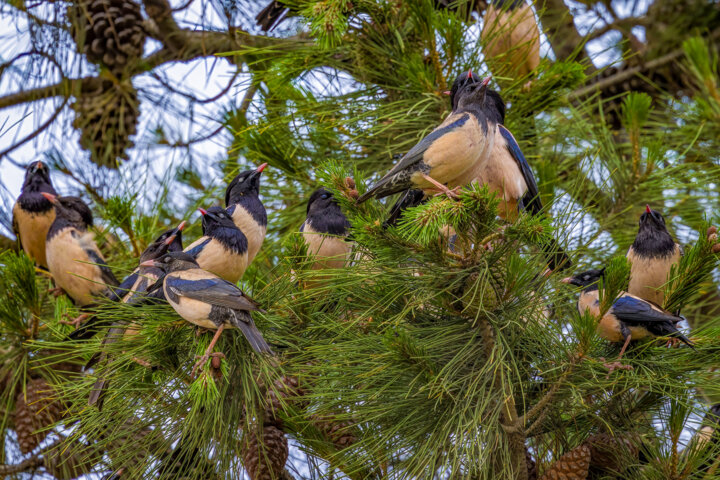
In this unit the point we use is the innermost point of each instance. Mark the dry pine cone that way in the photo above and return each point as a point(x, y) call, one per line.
point(106, 119)
point(284, 389)
point(35, 410)
point(337, 432)
point(265, 460)
point(608, 453)
point(574, 465)
point(109, 31)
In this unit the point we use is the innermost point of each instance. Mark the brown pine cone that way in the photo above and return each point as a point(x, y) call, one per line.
point(285, 389)
point(109, 32)
point(574, 465)
point(35, 410)
point(106, 119)
point(608, 453)
point(265, 459)
point(337, 432)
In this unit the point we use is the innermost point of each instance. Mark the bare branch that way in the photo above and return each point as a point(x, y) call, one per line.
point(64, 88)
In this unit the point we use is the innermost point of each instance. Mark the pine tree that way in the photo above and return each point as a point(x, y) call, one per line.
point(414, 360)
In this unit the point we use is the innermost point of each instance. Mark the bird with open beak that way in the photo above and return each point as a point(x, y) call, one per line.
point(73, 258)
point(629, 318)
point(651, 256)
point(242, 199)
point(511, 38)
point(33, 213)
point(223, 248)
point(325, 233)
point(446, 159)
point(206, 300)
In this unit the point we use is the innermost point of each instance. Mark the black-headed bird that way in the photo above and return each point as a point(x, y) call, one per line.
point(33, 213)
point(629, 318)
point(507, 172)
point(511, 38)
point(137, 282)
point(208, 301)
point(242, 199)
point(651, 256)
point(325, 233)
point(223, 248)
point(140, 281)
point(447, 158)
point(74, 260)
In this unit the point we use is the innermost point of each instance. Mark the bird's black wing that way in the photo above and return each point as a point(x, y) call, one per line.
point(411, 198)
point(212, 290)
point(395, 181)
point(531, 200)
point(195, 251)
point(638, 313)
point(124, 287)
point(105, 272)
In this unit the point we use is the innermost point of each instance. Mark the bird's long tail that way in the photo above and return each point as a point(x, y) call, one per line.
point(555, 255)
point(411, 198)
point(244, 322)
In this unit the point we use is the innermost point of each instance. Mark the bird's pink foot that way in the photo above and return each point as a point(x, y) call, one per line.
point(443, 189)
point(77, 321)
point(673, 342)
point(56, 292)
point(616, 365)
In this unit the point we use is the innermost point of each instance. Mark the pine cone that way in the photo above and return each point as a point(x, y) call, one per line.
point(285, 389)
point(109, 32)
point(608, 453)
point(337, 432)
point(106, 119)
point(265, 460)
point(34, 412)
point(574, 465)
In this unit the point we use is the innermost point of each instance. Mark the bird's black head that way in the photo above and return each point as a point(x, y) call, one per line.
point(460, 82)
point(495, 106)
point(245, 183)
point(37, 178)
point(72, 209)
point(214, 218)
point(652, 238)
point(585, 279)
point(169, 241)
point(472, 94)
point(652, 219)
point(173, 262)
point(324, 214)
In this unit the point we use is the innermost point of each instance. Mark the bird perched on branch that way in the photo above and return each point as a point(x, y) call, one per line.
point(137, 282)
point(325, 233)
point(141, 280)
point(651, 256)
point(511, 38)
point(206, 300)
point(33, 213)
point(73, 258)
point(247, 211)
point(507, 172)
point(629, 318)
point(223, 248)
point(449, 157)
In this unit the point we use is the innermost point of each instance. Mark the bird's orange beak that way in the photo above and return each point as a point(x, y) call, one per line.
point(182, 226)
point(486, 80)
point(447, 92)
point(647, 208)
point(261, 168)
point(148, 263)
point(202, 211)
point(469, 75)
point(40, 164)
point(170, 239)
point(50, 197)
point(566, 280)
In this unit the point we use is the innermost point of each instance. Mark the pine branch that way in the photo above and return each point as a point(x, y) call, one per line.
point(63, 88)
point(31, 463)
